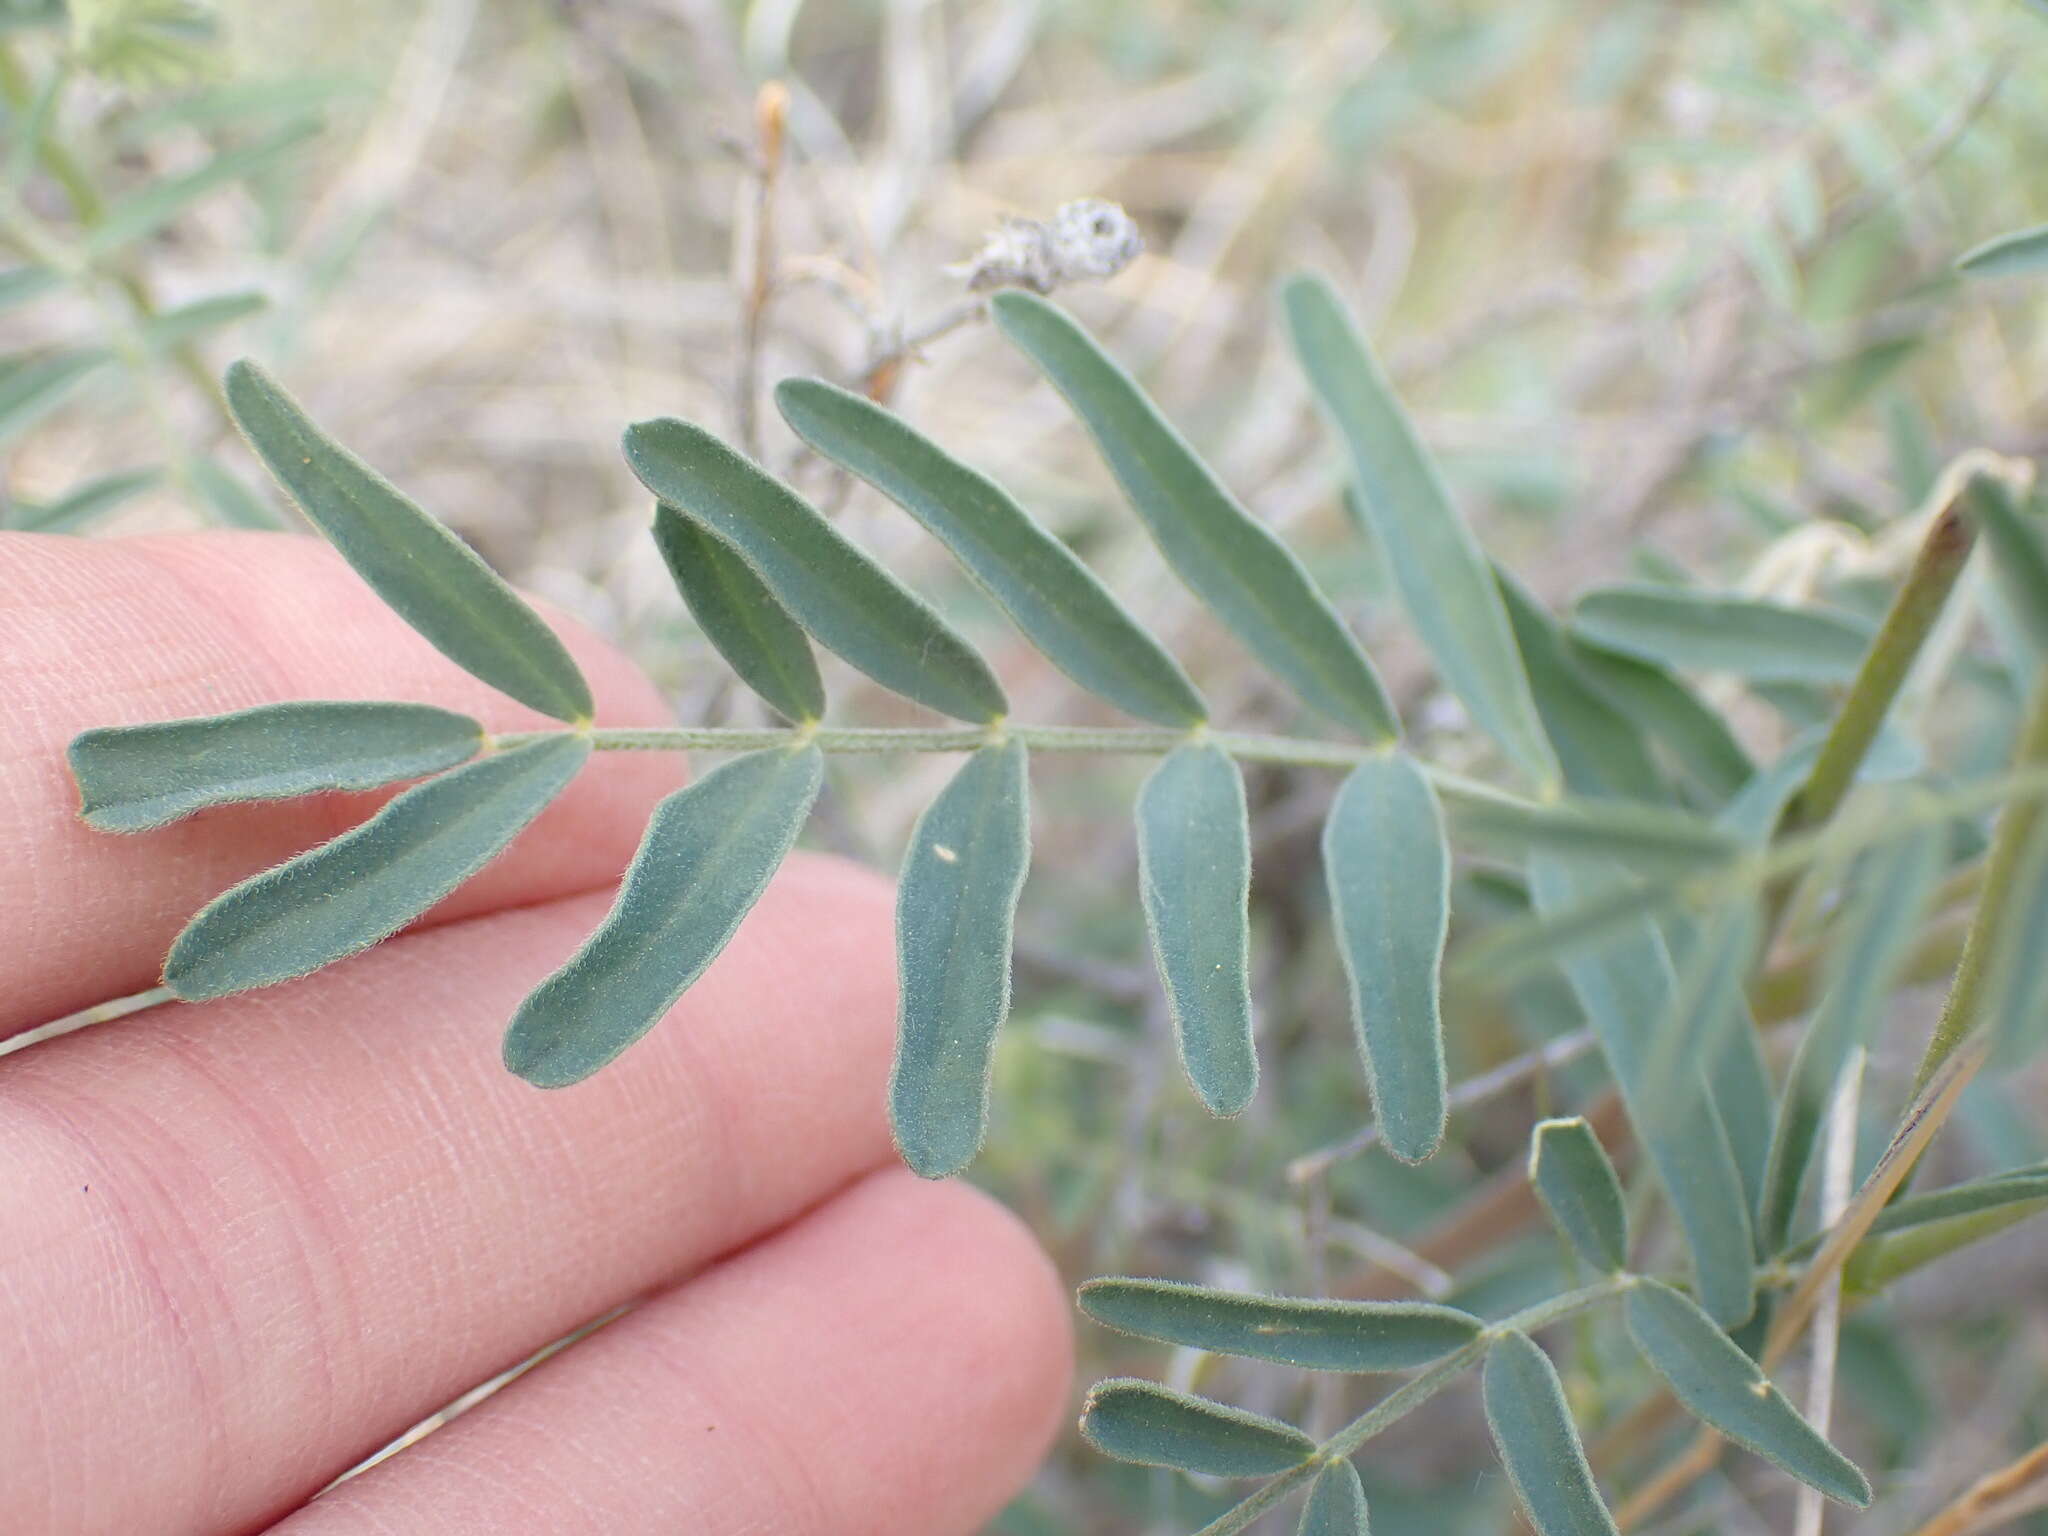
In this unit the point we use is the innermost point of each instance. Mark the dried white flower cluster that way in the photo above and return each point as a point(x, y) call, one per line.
point(1090, 238)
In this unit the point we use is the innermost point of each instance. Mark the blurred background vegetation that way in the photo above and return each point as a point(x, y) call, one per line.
point(1668, 287)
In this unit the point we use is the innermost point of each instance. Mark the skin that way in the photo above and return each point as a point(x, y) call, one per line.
point(248, 1242)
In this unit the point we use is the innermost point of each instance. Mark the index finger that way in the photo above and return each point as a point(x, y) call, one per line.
point(127, 631)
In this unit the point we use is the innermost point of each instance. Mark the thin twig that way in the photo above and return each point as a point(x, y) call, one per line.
point(98, 1013)
point(1838, 1172)
point(771, 119)
point(2016, 1489)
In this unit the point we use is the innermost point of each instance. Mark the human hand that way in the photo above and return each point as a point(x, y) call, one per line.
point(245, 1243)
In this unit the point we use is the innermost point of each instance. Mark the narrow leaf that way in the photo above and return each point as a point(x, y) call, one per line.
point(1233, 563)
point(372, 880)
point(1438, 567)
point(1538, 1444)
point(2020, 1186)
point(1739, 1080)
point(1696, 735)
point(1355, 1336)
point(740, 616)
point(144, 212)
point(1053, 598)
point(32, 387)
point(1194, 870)
point(174, 327)
point(1335, 1504)
point(2022, 250)
point(1888, 893)
point(1388, 865)
point(79, 507)
point(1696, 631)
point(1723, 1386)
point(709, 852)
point(2017, 1017)
point(1712, 962)
point(1156, 1427)
point(1654, 839)
point(431, 578)
point(955, 911)
point(850, 605)
point(1600, 750)
point(1577, 1183)
point(2019, 557)
point(132, 778)
point(1619, 986)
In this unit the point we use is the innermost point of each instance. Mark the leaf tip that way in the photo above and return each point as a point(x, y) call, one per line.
point(539, 1061)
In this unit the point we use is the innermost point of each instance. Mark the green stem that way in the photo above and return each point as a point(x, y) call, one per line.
point(1997, 905)
point(1915, 608)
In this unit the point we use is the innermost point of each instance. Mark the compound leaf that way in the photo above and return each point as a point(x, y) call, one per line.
point(1711, 1375)
point(851, 606)
point(1234, 564)
point(1576, 1181)
point(1764, 642)
point(709, 852)
point(1318, 1335)
point(372, 880)
point(434, 581)
point(1155, 1426)
point(2021, 250)
point(1620, 987)
point(131, 778)
point(1053, 598)
point(1438, 567)
point(1538, 1444)
point(955, 913)
point(1388, 865)
point(1335, 1504)
point(740, 616)
point(1194, 870)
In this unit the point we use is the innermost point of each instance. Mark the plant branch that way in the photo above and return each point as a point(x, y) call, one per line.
point(2008, 1493)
